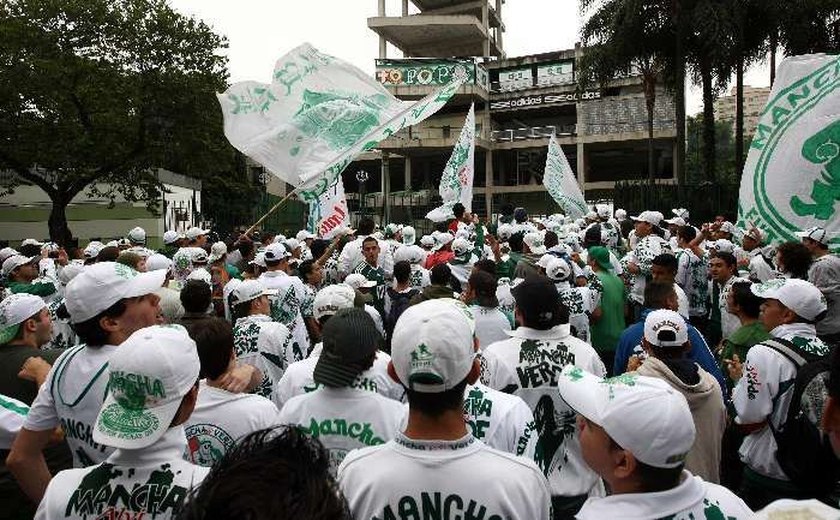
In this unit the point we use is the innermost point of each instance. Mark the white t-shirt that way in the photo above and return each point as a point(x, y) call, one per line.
point(419, 277)
point(12, 415)
point(147, 483)
point(221, 419)
point(288, 307)
point(345, 419)
point(408, 478)
point(580, 302)
point(491, 325)
point(682, 301)
point(71, 398)
point(692, 499)
point(502, 421)
point(298, 380)
point(527, 365)
point(265, 344)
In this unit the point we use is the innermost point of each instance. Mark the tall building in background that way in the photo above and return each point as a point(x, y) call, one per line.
point(519, 103)
point(754, 100)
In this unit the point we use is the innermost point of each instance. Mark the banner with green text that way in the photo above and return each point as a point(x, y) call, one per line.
point(561, 183)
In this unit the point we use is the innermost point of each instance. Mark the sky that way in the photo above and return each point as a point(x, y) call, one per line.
point(260, 31)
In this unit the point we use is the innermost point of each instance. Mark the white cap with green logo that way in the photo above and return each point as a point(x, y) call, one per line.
point(14, 310)
point(103, 284)
point(150, 374)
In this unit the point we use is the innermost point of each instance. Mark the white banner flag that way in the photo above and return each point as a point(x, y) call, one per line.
point(329, 214)
point(791, 179)
point(316, 116)
point(456, 183)
point(560, 181)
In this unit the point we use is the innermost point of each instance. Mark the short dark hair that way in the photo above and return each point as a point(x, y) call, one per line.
point(440, 275)
point(515, 241)
point(130, 259)
point(366, 226)
point(436, 404)
point(666, 260)
point(196, 296)
point(657, 294)
point(369, 239)
point(687, 233)
point(486, 265)
point(90, 332)
point(744, 298)
point(796, 259)
point(214, 341)
point(402, 271)
point(108, 254)
point(286, 474)
point(484, 286)
point(318, 247)
point(458, 210)
point(305, 269)
point(30, 250)
point(245, 247)
point(728, 258)
point(550, 240)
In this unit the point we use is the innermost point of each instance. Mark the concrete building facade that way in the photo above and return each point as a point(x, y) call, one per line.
point(755, 98)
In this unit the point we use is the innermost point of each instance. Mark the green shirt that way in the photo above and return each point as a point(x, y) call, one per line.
point(38, 289)
point(375, 274)
point(606, 332)
point(739, 343)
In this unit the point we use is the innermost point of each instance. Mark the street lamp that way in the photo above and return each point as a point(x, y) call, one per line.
point(362, 177)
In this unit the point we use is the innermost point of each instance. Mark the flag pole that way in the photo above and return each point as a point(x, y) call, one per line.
point(270, 211)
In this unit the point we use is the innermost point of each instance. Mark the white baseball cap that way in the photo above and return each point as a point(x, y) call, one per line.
point(137, 235)
point(558, 270)
point(681, 212)
point(275, 252)
point(410, 253)
point(292, 243)
point(441, 240)
point(200, 273)
point(723, 245)
point(357, 281)
point(535, 243)
point(93, 249)
point(409, 235)
point(643, 415)
point(70, 271)
point(304, 235)
point(427, 241)
point(150, 374)
point(665, 328)
point(6, 252)
point(195, 232)
point(332, 299)
point(249, 290)
point(676, 221)
point(545, 260)
point(217, 251)
point(800, 296)
point(31, 242)
point(620, 214)
point(504, 231)
point(158, 262)
point(602, 210)
point(432, 348)
point(461, 246)
point(105, 283)
point(816, 234)
point(170, 237)
point(14, 310)
point(259, 259)
point(15, 261)
point(651, 217)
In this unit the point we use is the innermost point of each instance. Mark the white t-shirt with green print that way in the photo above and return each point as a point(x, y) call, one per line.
point(265, 344)
point(502, 421)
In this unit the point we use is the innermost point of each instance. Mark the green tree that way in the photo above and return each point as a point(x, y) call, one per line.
point(99, 93)
point(724, 150)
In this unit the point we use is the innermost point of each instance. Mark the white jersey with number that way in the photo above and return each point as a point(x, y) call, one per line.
point(298, 380)
point(265, 344)
point(345, 419)
point(71, 398)
point(692, 499)
point(221, 419)
point(502, 421)
point(408, 478)
point(287, 307)
point(147, 483)
point(12, 415)
point(527, 365)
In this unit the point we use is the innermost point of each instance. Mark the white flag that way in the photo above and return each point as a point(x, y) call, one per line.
point(316, 116)
point(561, 183)
point(329, 214)
point(456, 183)
point(791, 179)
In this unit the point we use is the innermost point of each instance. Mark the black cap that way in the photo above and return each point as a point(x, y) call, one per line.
point(350, 339)
point(537, 299)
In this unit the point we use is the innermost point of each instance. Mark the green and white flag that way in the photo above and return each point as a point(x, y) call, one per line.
point(456, 183)
point(561, 183)
point(316, 116)
point(791, 179)
point(329, 214)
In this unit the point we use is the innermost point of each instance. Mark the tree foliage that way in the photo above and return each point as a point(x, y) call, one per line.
point(102, 92)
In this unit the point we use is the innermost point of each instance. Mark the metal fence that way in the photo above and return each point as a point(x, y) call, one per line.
point(704, 201)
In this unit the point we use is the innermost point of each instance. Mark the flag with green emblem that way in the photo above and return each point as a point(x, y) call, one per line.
point(561, 183)
point(456, 183)
point(316, 116)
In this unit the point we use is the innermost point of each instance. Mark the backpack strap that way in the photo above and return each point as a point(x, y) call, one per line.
point(786, 348)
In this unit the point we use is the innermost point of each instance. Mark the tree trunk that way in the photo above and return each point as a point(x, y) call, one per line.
point(650, 104)
point(679, 94)
point(739, 117)
point(59, 231)
point(773, 45)
point(708, 121)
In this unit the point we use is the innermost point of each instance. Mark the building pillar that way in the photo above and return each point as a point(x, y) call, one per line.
point(405, 7)
point(485, 21)
point(499, 31)
point(581, 167)
point(383, 44)
point(386, 189)
point(407, 173)
point(488, 183)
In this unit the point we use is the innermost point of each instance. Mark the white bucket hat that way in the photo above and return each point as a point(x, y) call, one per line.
point(105, 283)
point(432, 347)
point(643, 415)
point(14, 310)
point(800, 296)
point(150, 374)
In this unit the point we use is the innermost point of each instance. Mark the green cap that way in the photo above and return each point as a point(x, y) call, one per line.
point(601, 256)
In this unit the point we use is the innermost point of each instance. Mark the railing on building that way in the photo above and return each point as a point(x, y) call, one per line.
point(534, 82)
point(532, 132)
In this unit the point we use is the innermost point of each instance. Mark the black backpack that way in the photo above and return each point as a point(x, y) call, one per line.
point(399, 303)
point(804, 451)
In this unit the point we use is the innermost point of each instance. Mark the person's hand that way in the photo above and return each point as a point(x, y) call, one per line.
point(237, 380)
point(633, 363)
point(35, 369)
point(62, 257)
point(735, 368)
point(632, 268)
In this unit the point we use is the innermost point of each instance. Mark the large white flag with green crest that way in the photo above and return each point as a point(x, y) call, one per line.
point(316, 116)
point(560, 181)
point(791, 179)
point(456, 183)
